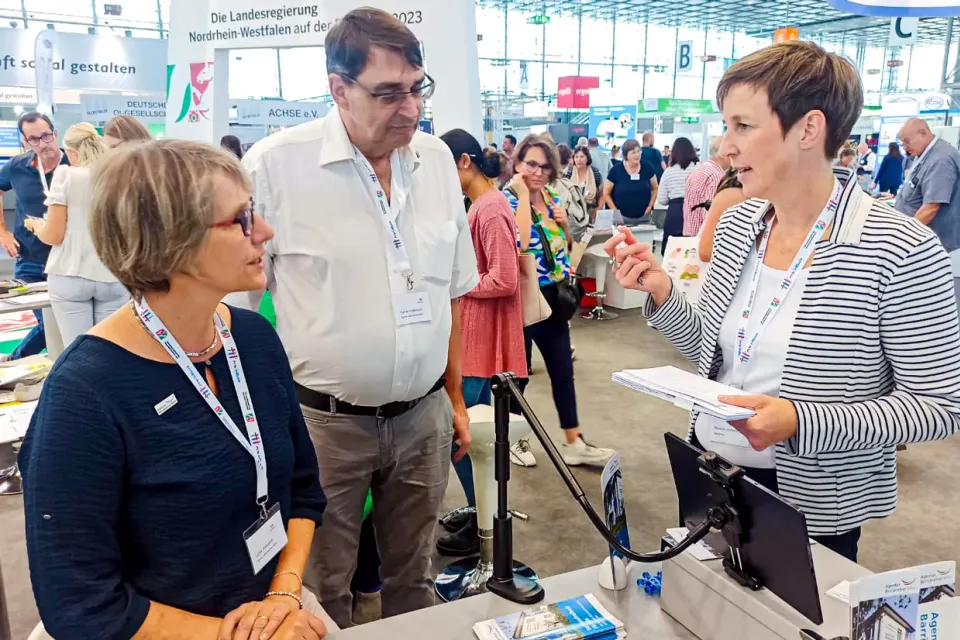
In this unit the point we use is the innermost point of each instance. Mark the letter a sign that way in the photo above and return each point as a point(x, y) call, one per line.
point(903, 31)
point(685, 56)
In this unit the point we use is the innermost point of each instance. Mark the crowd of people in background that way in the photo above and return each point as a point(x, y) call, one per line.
point(364, 387)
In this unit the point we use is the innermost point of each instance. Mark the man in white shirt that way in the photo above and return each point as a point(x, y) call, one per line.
point(371, 253)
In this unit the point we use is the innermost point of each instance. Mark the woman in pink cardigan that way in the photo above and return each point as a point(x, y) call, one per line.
point(491, 320)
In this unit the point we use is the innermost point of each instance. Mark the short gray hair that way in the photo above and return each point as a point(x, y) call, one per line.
point(152, 205)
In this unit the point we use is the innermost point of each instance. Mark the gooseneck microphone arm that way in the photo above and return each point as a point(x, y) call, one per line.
point(504, 388)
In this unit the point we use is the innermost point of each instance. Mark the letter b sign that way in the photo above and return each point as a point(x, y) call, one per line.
point(685, 56)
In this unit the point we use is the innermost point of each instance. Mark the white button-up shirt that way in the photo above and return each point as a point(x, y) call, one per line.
point(331, 271)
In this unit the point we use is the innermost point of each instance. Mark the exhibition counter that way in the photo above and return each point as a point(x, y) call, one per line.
point(640, 613)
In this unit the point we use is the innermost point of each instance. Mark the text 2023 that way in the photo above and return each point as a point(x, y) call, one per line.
point(409, 17)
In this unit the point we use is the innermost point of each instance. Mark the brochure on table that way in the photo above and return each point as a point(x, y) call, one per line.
point(581, 617)
point(615, 512)
point(917, 603)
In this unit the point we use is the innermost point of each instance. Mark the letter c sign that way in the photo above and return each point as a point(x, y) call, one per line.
point(903, 31)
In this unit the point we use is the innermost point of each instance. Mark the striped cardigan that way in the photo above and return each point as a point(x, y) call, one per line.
point(873, 360)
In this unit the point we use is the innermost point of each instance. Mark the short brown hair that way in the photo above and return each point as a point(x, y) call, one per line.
point(628, 146)
point(800, 77)
point(126, 129)
point(549, 148)
point(152, 205)
point(847, 152)
point(349, 42)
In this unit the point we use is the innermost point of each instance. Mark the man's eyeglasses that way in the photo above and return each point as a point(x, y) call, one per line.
point(46, 138)
point(422, 91)
point(534, 167)
point(245, 219)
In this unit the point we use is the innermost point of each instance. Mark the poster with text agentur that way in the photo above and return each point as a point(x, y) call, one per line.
point(916, 603)
point(681, 261)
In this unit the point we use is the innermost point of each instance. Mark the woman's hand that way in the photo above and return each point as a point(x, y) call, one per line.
point(776, 420)
point(257, 620)
point(649, 209)
point(560, 216)
point(32, 224)
point(634, 260)
point(301, 625)
point(518, 186)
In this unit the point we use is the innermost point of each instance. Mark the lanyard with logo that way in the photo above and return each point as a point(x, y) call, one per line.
point(389, 210)
point(43, 176)
point(745, 347)
point(263, 539)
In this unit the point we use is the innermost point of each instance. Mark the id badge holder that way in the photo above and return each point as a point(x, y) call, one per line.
point(265, 538)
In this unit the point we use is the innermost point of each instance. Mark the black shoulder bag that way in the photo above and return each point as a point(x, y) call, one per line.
point(569, 290)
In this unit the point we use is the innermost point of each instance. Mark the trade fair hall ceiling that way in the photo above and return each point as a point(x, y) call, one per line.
point(814, 18)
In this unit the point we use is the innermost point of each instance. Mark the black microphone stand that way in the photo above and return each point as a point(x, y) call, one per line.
point(504, 582)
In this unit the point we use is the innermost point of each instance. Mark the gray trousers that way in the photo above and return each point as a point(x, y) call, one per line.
point(405, 462)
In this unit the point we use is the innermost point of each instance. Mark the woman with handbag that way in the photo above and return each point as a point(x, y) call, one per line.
point(543, 231)
point(491, 321)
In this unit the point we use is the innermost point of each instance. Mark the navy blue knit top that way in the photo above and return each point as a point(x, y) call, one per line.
point(126, 503)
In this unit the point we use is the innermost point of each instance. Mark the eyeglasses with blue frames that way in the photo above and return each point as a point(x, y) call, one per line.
point(245, 219)
point(423, 90)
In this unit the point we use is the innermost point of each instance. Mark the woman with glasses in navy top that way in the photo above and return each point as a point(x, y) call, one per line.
point(170, 486)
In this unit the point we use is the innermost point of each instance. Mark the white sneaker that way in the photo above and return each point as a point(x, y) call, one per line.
point(582, 452)
point(521, 455)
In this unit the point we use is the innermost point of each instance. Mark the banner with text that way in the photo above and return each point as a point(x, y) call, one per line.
point(276, 112)
point(86, 62)
point(98, 109)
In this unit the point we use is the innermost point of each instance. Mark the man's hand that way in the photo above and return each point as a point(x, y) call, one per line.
point(301, 626)
point(776, 420)
point(461, 432)
point(257, 620)
point(9, 244)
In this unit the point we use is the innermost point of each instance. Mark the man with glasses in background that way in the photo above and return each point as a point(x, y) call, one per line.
point(28, 175)
point(371, 253)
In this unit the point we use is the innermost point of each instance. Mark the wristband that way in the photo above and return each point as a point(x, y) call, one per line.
point(290, 573)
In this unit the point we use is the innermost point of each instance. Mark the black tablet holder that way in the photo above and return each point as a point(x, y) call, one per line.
point(725, 517)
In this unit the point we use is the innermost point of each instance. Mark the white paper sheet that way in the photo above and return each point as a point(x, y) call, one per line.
point(14, 420)
point(701, 551)
point(684, 389)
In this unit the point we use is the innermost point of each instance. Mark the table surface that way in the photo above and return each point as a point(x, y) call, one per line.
point(639, 612)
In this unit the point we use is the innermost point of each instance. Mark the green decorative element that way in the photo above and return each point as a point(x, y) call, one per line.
point(675, 106)
point(185, 102)
point(690, 119)
point(538, 20)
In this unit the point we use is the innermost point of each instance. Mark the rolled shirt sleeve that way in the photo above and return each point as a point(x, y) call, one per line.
point(465, 276)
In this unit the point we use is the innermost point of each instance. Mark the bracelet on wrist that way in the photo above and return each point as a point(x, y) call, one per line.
point(288, 594)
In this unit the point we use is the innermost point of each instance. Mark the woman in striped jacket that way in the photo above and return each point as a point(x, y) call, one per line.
point(833, 312)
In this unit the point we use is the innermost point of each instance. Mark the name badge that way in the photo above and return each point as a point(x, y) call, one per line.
point(634, 176)
point(265, 538)
point(724, 433)
point(411, 307)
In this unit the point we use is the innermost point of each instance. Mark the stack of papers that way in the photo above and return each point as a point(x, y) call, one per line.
point(685, 390)
point(583, 617)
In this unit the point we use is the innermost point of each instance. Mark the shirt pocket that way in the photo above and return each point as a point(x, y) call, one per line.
point(437, 244)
